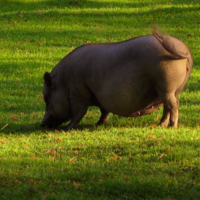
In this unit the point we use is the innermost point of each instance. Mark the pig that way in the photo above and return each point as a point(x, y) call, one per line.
point(129, 78)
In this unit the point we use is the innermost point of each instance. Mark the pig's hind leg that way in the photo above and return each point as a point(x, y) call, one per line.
point(170, 112)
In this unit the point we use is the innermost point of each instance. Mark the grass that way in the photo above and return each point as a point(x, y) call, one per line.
point(129, 158)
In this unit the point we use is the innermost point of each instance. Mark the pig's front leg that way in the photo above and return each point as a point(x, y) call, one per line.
point(104, 117)
point(78, 110)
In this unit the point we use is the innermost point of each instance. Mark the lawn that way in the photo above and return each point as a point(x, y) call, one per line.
point(128, 158)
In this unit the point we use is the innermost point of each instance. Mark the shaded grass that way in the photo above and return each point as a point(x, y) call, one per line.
point(104, 163)
point(129, 158)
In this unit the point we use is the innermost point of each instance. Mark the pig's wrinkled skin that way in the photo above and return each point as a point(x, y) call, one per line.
point(129, 78)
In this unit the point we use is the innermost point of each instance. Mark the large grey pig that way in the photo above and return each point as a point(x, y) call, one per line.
point(130, 78)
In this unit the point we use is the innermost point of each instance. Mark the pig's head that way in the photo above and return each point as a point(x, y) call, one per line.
point(57, 103)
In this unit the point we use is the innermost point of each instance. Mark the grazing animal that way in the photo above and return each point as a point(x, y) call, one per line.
point(129, 78)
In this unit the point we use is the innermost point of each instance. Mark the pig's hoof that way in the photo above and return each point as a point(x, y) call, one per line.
point(163, 124)
point(173, 125)
point(101, 122)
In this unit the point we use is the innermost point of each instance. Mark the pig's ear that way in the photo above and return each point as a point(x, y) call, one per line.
point(47, 79)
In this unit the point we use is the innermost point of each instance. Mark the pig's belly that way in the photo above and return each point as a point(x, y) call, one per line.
point(126, 104)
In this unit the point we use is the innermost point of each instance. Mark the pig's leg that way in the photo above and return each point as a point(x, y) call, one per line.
point(171, 104)
point(78, 110)
point(104, 117)
point(174, 113)
point(165, 118)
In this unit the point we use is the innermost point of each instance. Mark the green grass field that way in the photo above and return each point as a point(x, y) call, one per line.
point(129, 158)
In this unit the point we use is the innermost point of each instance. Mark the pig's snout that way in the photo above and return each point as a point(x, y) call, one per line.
point(50, 122)
point(42, 124)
